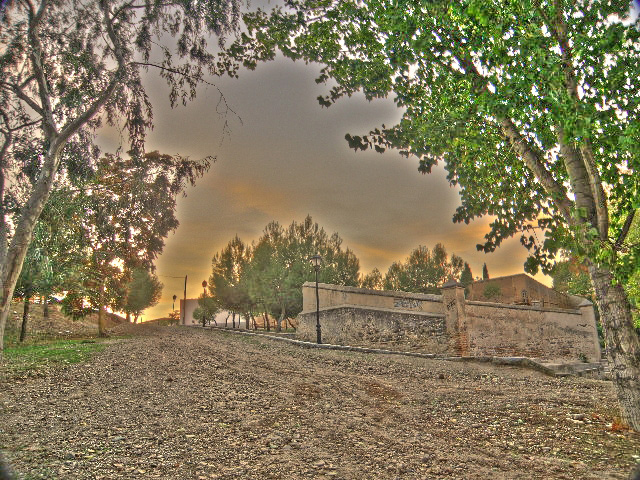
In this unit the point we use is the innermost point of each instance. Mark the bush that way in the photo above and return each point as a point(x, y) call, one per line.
point(492, 290)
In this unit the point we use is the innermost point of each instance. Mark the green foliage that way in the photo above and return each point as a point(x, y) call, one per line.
point(226, 284)
point(53, 255)
point(513, 97)
point(268, 276)
point(485, 272)
point(73, 305)
point(127, 210)
point(466, 277)
point(206, 310)
point(572, 278)
point(491, 291)
point(69, 68)
point(143, 291)
point(632, 286)
point(424, 271)
point(373, 280)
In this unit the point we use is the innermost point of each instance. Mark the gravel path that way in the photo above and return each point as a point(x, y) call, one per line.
point(180, 403)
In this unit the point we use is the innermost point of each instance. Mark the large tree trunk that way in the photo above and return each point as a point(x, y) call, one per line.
point(45, 308)
point(102, 330)
point(17, 250)
point(25, 317)
point(622, 342)
point(280, 319)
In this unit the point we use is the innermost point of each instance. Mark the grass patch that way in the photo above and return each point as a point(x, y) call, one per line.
point(22, 359)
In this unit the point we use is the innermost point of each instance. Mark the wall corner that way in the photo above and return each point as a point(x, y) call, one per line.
point(455, 317)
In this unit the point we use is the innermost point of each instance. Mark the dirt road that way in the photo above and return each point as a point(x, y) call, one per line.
point(180, 403)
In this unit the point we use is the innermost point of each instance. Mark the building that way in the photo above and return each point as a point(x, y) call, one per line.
point(222, 318)
point(519, 289)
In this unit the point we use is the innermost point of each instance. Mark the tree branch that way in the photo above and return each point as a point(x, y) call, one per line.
point(200, 80)
point(625, 230)
point(85, 116)
point(532, 157)
point(533, 160)
point(36, 60)
point(585, 150)
point(25, 98)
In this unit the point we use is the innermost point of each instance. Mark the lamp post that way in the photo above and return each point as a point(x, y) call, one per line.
point(173, 307)
point(204, 289)
point(316, 260)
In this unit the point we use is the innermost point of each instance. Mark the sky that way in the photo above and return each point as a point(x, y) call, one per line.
point(281, 157)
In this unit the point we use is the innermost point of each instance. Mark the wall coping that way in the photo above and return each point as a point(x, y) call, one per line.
point(524, 307)
point(379, 293)
point(376, 309)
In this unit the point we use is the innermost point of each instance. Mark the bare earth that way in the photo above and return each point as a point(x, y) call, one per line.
point(180, 403)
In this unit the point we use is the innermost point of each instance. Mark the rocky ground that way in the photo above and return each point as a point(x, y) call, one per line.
point(178, 402)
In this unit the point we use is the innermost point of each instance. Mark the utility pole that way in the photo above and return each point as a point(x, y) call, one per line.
point(184, 314)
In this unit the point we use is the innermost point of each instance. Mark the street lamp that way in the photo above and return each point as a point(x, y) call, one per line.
point(173, 308)
point(204, 289)
point(316, 260)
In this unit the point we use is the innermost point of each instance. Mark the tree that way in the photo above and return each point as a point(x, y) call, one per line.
point(393, 280)
point(572, 278)
point(279, 265)
point(466, 277)
point(226, 282)
point(128, 207)
point(68, 67)
point(206, 310)
point(485, 272)
point(514, 97)
point(373, 280)
point(143, 291)
point(26, 287)
point(424, 270)
point(491, 291)
point(51, 257)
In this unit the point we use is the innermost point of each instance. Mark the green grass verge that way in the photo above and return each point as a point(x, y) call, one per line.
point(22, 359)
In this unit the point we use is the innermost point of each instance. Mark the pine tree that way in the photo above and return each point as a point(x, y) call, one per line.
point(466, 277)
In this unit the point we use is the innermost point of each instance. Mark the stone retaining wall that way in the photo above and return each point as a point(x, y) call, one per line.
point(379, 327)
point(448, 324)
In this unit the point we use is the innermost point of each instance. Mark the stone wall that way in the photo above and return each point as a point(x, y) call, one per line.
point(448, 324)
point(546, 333)
point(379, 327)
point(334, 295)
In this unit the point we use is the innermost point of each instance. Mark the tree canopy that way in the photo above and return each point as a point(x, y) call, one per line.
point(268, 275)
point(143, 291)
point(66, 69)
point(424, 270)
point(533, 107)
